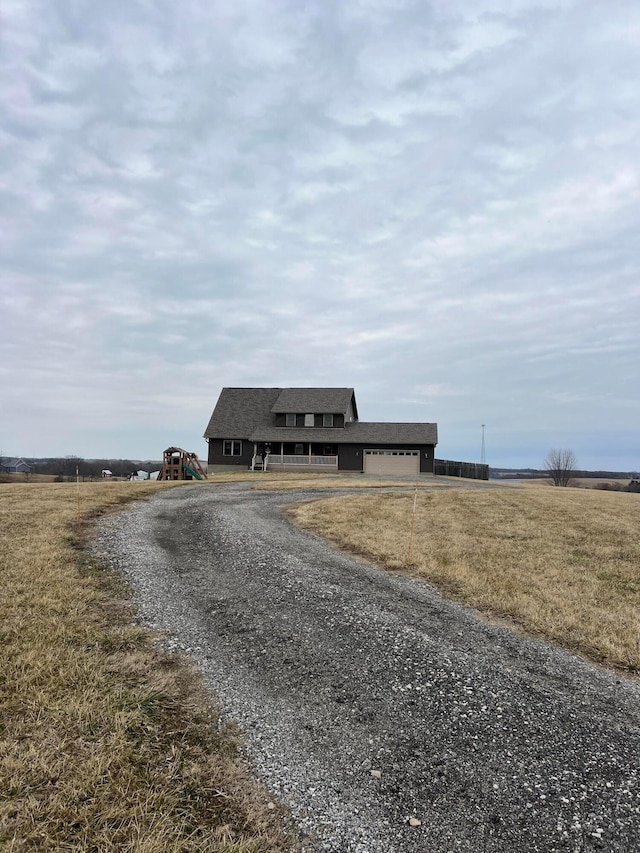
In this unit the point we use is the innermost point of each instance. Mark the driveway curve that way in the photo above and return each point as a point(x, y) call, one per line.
point(389, 719)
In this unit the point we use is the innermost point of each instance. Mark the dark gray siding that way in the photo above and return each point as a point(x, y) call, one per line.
point(350, 457)
point(216, 456)
point(427, 454)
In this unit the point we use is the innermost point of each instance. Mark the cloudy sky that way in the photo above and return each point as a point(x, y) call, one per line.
point(435, 202)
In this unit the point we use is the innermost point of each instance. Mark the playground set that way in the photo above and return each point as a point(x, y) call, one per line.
point(179, 464)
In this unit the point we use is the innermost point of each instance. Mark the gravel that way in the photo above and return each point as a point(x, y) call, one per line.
point(389, 719)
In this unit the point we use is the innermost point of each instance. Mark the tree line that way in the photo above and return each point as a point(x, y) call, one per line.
point(64, 468)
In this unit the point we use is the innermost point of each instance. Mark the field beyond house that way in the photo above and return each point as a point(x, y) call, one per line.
point(106, 743)
point(563, 564)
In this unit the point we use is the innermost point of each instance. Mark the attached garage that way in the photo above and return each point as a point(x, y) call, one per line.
point(392, 463)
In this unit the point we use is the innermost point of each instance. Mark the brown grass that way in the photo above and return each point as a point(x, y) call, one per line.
point(106, 743)
point(27, 478)
point(561, 563)
point(577, 482)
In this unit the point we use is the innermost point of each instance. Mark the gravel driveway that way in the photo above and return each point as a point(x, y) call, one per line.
point(367, 700)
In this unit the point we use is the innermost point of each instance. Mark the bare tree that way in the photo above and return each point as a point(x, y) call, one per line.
point(561, 465)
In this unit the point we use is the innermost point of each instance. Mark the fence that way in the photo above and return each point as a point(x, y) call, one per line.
point(471, 470)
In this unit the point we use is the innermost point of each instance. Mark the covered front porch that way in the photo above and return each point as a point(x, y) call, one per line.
point(289, 455)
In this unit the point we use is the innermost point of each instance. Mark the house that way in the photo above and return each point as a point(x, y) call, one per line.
point(14, 466)
point(312, 429)
point(106, 474)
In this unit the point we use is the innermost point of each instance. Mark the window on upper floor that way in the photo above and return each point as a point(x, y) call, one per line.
point(290, 419)
point(309, 420)
point(327, 420)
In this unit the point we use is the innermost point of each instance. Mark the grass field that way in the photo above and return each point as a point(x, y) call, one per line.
point(106, 743)
point(561, 563)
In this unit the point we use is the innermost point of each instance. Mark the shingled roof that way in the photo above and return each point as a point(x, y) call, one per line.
point(315, 401)
point(372, 432)
point(358, 433)
point(249, 413)
point(239, 411)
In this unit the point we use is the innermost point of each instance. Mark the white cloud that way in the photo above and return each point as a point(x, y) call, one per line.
point(435, 203)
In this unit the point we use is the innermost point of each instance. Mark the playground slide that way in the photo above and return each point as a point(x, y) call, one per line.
point(193, 473)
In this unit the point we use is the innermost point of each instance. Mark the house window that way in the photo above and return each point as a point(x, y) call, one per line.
point(299, 450)
point(290, 419)
point(327, 420)
point(309, 420)
point(231, 447)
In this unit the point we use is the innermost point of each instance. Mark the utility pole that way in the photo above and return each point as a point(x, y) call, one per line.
point(482, 449)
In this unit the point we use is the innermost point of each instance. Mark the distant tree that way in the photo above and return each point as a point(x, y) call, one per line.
point(68, 465)
point(561, 464)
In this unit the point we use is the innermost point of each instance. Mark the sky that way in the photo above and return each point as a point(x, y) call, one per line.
point(436, 203)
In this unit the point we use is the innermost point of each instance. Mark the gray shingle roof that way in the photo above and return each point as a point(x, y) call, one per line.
point(360, 432)
point(392, 433)
point(273, 433)
point(315, 401)
point(240, 410)
point(249, 413)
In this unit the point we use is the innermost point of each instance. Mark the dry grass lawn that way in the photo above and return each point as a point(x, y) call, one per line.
point(561, 563)
point(106, 743)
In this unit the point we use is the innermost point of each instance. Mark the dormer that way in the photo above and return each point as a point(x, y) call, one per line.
point(315, 408)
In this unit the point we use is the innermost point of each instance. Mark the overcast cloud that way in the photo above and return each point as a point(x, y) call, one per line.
point(436, 203)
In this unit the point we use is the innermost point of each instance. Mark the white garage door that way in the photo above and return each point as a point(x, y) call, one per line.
point(392, 462)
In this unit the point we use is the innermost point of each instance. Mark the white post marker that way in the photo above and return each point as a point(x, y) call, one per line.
point(78, 491)
point(413, 524)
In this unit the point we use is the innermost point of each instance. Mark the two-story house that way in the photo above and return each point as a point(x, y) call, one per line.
point(312, 429)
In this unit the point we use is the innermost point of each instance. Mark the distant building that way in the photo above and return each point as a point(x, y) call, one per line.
point(106, 473)
point(14, 466)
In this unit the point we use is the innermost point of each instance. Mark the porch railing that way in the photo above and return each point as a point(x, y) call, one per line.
point(299, 459)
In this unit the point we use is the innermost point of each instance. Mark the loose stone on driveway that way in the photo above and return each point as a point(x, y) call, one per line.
point(388, 719)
